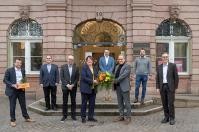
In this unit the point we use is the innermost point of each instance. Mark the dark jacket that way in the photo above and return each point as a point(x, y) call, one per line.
point(172, 77)
point(9, 79)
point(49, 79)
point(65, 76)
point(86, 81)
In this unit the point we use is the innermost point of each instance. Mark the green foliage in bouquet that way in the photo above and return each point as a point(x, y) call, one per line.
point(24, 80)
point(105, 80)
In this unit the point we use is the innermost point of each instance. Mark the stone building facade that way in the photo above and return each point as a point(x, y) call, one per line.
point(34, 29)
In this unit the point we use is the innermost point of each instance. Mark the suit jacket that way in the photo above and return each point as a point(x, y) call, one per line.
point(9, 79)
point(86, 81)
point(110, 65)
point(172, 77)
point(124, 77)
point(49, 79)
point(65, 76)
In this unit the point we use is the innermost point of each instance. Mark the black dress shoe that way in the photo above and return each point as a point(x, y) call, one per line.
point(74, 118)
point(92, 119)
point(54, 108)
point(63, 119)
point(165, 120)
point(83, 120)
point(172, 122)
point(47, 109)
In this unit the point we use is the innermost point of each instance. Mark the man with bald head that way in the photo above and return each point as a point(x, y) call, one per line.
point(49, 79)
point(122, 87)
point(69, 74)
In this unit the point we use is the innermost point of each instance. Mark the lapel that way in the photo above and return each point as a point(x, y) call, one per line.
point(67, 70)
point(73, 70)
point(169, 66)
point(14, 73)
point(116, 68)
point(161, 71)
point(104, 60)
point(122, 68)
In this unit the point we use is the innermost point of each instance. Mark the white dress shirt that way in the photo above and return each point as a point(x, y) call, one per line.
point(106, 59)
point(165, 68)
point(49, 67)
point(18, 75)
point(70, 68)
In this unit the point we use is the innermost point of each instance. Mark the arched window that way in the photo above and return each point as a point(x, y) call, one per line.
point(25, 37)
point(173, 27)
point(173, 36)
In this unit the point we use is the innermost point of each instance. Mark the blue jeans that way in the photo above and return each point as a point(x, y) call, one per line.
point(140, 79)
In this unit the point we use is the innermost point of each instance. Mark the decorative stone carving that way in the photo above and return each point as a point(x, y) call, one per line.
point(24, 11)
point(57, 5)
point(99, 16)
point(174, 11)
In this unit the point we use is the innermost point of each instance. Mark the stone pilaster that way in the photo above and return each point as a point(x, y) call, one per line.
point(54, 42)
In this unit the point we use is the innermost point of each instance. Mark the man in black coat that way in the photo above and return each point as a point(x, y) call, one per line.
point(12, 78)
point(49, 79)
point(166, 83)
point(69, 74)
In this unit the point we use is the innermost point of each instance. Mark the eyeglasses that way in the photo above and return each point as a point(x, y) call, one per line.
point(48, 58)
point(164, 56)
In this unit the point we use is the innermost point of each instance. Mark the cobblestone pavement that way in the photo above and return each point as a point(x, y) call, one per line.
point(187, 120)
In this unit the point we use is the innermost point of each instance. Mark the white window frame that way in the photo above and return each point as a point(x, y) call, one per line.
point(171, 40)
point(27, 43)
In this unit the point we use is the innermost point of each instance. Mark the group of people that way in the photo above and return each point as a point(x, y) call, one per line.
point(166, 80)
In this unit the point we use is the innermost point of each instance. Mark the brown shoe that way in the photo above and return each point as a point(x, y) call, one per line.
point(118, 119)
point(13, 124)
point(127, 121)
point(29, 120)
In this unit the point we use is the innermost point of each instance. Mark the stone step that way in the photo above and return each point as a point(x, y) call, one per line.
point(36, 107)
point(104, 105)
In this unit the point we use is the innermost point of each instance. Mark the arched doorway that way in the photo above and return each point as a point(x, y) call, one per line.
point(93, 37)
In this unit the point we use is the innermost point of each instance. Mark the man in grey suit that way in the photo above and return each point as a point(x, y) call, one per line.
point(122, 87)
point(49, 79)
point(69, 74)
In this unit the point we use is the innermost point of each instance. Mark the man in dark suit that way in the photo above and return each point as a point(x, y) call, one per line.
point(12, 78)
point(122, 87)
point(49, 79)
point(166, 83)
point(69, 74)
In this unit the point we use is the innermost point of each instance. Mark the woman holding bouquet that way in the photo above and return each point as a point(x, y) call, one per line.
point(88, 89)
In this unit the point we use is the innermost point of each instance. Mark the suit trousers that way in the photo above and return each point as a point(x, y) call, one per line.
point(72, 94)
point(91, 99)
point(50, 90)
point(168, 97)
point(123, 99)
point(20, 95)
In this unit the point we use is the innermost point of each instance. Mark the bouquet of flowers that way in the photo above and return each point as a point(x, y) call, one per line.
point(23, 84)
point(105, 80)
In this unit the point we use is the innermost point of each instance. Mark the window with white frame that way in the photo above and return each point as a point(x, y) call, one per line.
point(25, 38)
point(173, 36)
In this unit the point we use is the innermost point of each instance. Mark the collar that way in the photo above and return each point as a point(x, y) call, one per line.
point(16, 69)
point(166, 64)
point(143, 57)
